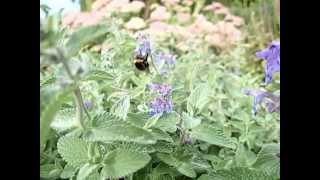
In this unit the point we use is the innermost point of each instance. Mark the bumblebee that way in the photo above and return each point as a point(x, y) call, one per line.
point(141, 63)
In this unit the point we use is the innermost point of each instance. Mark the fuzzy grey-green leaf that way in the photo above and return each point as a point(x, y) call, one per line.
point(212, 135)
point(73, 150)
point(120, 163)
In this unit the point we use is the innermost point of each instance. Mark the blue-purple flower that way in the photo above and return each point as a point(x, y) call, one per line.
point(143, 49)
point(162, 58)
point(161, 105)
point(88, 104)
point(162, 89)
point(272, 101)
point(272, 56)
point(164, 62)
point(258, 97)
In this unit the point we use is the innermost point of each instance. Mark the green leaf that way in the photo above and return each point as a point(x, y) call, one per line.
point(168, 159)
point(200, 164)
point(267, 159)
point(108, 128)
point(85, 36)
point(138, 119)
point(163, 168)
point(244, 157)
point(198, 98)
point(152, 121)
point(73, 150)
point(205, 177)
point(164, 147)
point(241, 173)
point(49, 171)
point(68, 171)
point(183, 167)
point(121, 107)
point(145, 148)
point(161, 135)
point(94, 176)
point(86, 170)
point(98, 75)
point(64, 120)
point(212, 135)
point(120, 163)
point(49, 113)
point(189, 122)
point(161, 177)
point(186, 169)
point(168, 122)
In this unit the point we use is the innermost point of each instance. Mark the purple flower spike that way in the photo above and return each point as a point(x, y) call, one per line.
point(272, 56)
point(160, 105)
point(272, 101)
point(258, 97)
point(143, 48)
point(162, 89)
point(164, 62)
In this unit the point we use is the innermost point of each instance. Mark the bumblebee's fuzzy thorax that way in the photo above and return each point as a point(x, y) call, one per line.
point(141, 64)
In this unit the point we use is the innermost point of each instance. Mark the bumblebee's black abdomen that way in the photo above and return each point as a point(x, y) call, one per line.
point(141, 64)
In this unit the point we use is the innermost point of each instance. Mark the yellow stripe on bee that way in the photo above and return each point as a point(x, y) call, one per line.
point(138, 61)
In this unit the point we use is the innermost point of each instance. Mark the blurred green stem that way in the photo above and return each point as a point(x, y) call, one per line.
point(78, 97)
point(85, 5)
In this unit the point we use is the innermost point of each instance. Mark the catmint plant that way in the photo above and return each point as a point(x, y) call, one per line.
point(272, 56)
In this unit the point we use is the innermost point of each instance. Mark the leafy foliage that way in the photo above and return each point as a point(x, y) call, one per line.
point(212, 135)
point(120, 163)
point(109, 129)
point(95, 120)
point(73, 150)
point(268, 159)
point(238, 174)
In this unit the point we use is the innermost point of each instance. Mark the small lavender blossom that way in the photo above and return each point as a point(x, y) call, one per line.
point(143, 49)
point(258, 97)
point(161, 105)
point(272, 101)
point(171, 59)
point(272, 56)
point(159, 58)
point(162, 89)
point(87, 104)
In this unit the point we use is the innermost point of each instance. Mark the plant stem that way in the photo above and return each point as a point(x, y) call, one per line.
point(146, 9)
point(78, 97)
point(78, 108)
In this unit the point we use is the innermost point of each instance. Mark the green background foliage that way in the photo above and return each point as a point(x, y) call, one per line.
point(117, 139)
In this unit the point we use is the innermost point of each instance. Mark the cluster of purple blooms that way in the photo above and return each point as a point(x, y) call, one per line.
point(272, 56)
point(162, 103)
point(143, 48)
point(162, 89)
point(164, 62)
